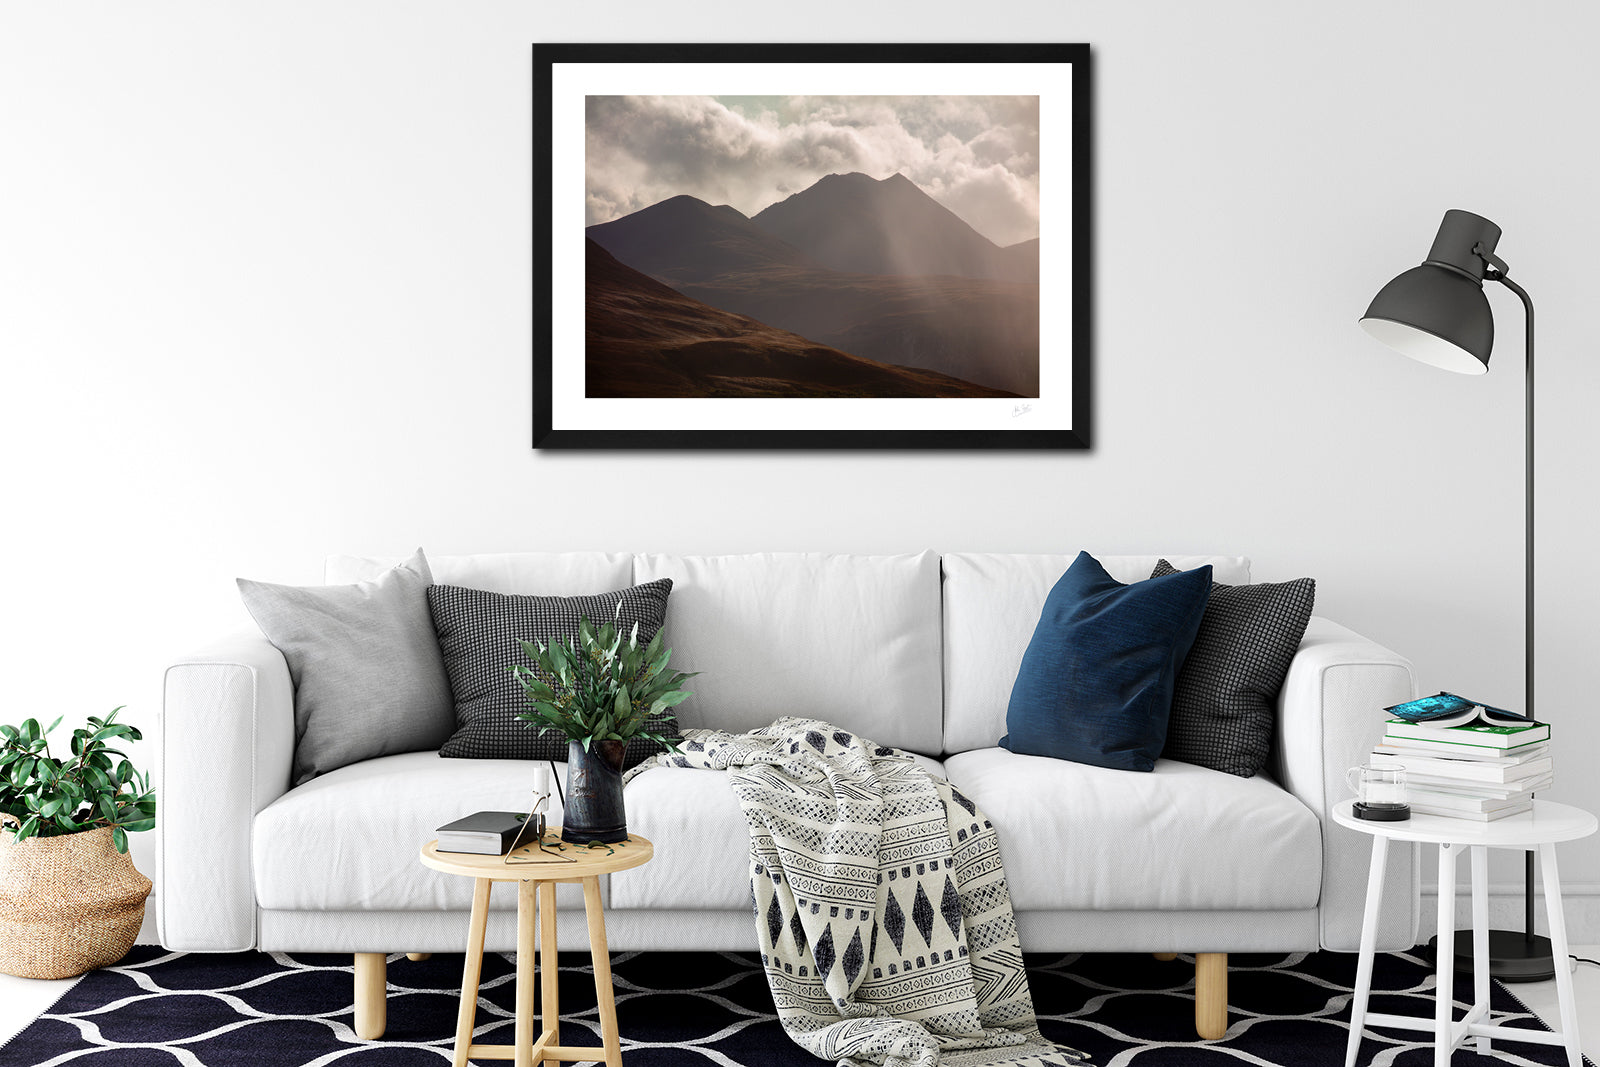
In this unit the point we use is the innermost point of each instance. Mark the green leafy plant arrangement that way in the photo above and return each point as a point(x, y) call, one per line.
point(48, 797)
point(601, 687)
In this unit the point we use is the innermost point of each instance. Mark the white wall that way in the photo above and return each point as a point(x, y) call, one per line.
point(264, 278)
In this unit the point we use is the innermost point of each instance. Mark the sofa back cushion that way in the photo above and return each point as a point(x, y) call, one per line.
point(992, 603)
point(525, 573)
point(1096, 681)
point(368, 678)
point(481, 636)
point(850, 639)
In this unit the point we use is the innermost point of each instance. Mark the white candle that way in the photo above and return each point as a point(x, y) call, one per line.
point(541, 779)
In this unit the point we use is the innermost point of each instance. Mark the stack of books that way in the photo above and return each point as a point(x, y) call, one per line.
point(1480, 767)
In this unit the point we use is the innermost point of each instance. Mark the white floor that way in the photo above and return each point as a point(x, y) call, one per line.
point(22, 1000)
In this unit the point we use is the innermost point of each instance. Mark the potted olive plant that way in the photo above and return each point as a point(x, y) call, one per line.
point(70, 898)
point(601, 691)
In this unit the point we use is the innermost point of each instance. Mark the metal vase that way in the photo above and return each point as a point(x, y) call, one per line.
point(594, 793)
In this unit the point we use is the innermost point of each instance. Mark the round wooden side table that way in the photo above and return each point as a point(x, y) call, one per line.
point(538, 872)
point(1538, 831)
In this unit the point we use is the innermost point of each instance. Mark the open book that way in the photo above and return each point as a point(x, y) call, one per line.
point(1447, 709)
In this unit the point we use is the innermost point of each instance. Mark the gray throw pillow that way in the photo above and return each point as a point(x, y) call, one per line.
point(368, 678)
point(481, 635)
point(1224, 706)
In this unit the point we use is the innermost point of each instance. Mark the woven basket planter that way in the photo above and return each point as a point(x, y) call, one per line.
point(68, 904)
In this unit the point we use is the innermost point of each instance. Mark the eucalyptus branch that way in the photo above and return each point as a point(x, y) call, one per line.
point(601, 686)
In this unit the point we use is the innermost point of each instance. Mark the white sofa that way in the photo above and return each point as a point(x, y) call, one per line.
point(916, 651)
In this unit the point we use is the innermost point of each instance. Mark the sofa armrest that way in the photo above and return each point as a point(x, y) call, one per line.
point(1328, 720)
point(227, 744)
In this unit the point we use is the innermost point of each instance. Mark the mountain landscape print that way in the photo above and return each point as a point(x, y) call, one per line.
point(827, 247)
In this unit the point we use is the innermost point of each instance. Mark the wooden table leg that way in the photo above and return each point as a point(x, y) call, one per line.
point(526, 930)
point(550, 1006)
point(1369, 943)
point(1444, 994)
point(601, 956)
point(1559, 950)
point(372, 995)
point(472, 971)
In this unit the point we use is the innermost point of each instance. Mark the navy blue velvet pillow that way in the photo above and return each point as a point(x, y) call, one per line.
point(1096, 682)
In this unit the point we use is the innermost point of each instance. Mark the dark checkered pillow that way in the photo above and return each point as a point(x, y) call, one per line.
point(1223, 708)
point(480, 635)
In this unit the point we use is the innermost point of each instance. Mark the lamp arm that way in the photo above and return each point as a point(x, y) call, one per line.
point(1497, 272)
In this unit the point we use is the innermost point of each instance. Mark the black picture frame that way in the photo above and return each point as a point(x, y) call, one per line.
point(551, 258)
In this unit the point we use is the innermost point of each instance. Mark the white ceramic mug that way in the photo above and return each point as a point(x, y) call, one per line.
point(1379, 785)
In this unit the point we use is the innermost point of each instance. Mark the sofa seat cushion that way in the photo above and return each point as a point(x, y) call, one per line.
point(702, 841)
point(349, 840)
point(1181, 837)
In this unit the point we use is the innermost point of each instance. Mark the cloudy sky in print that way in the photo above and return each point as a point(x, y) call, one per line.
point(976, 155)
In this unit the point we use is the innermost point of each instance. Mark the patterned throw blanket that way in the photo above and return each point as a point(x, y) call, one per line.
point(881, 906)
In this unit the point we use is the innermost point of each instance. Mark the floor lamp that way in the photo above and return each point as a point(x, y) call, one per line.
point(1437, 313)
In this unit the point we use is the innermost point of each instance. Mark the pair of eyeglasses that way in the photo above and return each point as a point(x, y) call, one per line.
point(534, 833)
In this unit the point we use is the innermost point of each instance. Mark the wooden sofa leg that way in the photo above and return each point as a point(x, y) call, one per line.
point(1165, 956)
point(1211, 994)
point(418, 957)
point(372, 1002)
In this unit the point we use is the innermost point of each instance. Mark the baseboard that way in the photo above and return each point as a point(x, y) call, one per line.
point(147, 930)
point(1580, 905)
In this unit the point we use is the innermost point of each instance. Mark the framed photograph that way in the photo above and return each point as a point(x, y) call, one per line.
point(811, 246)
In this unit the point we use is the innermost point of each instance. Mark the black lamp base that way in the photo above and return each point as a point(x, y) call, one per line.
point(1512, 957)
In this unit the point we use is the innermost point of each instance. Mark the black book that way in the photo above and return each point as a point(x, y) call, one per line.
point(483, 833)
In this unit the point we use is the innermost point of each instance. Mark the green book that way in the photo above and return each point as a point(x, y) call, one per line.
point(1479, 734)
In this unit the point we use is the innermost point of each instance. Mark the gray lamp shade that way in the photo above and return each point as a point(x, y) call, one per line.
point(1437, 313)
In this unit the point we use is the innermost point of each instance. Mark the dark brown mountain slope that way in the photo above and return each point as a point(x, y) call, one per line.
point(979, 331)
point(644, 339)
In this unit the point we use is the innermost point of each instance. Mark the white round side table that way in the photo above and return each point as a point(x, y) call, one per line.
point(1537, 830)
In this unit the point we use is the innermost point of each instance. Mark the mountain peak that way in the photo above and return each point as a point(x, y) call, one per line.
point(681, 203)
point(685, 207)
point(855, 177)
point(853, 222)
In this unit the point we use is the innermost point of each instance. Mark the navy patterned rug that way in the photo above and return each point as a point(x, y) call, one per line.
point(162, 1009)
